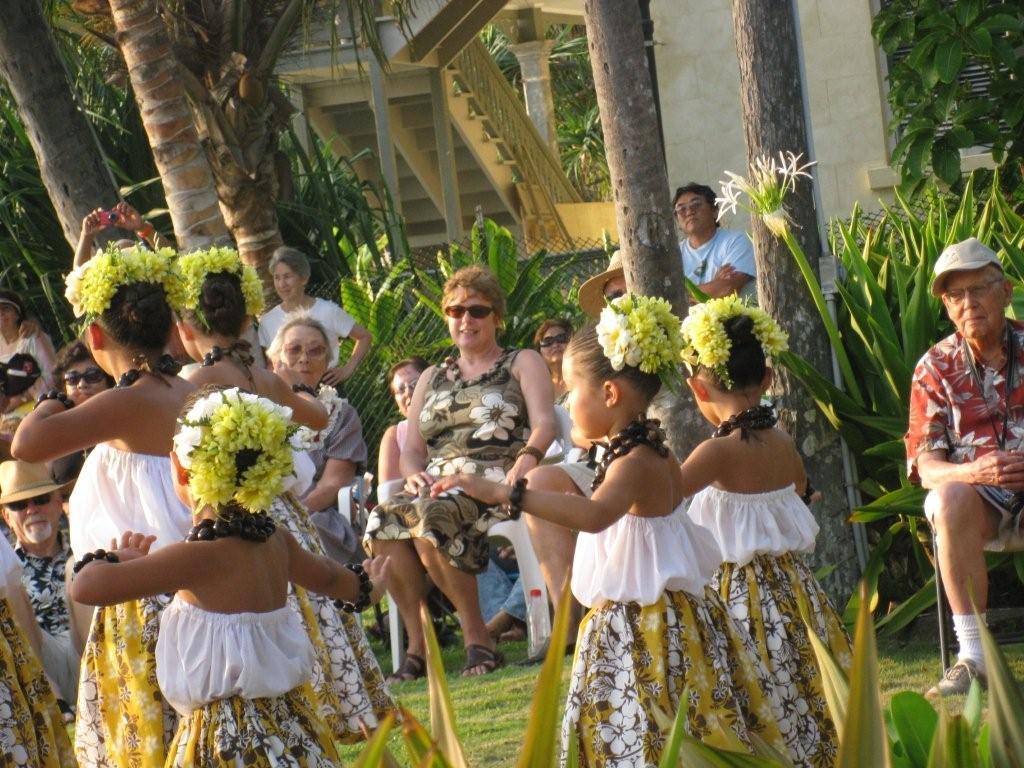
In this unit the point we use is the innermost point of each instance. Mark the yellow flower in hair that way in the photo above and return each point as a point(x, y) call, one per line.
point(197, 265)
point(642, 332)
point(706, 344)
point(224, 426)
point(91, 287)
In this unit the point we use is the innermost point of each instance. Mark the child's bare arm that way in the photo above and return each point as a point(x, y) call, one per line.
point(702, 466)
point(138, 575)
point(614, 498)
point(324, 576)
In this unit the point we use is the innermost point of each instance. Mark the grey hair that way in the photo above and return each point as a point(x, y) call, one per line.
point(300, 318)
point(292, 258)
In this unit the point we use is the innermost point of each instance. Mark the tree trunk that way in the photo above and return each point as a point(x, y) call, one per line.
point(166, 115)
point(773, 118)
point(639, 180)
point(70, 163)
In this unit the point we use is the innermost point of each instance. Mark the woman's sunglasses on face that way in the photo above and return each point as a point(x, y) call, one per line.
point(88, 376)
point(22, 505)
point(550, 341)
point(478, 311)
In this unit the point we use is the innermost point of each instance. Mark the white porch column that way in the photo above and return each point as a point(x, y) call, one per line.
point(540, 105)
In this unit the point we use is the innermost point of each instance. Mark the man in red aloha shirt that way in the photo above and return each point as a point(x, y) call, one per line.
point(965, 440)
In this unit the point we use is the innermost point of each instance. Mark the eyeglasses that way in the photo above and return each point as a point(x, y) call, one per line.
point(91, 375)
point(405, 388)
point(618, 293)
point(295, 351)
point(22, 505)
point(959, 295)
point(689, 207)
point(550, 341)
point(478, 311)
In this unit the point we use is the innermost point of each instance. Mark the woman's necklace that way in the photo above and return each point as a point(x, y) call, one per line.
point(756, 417)
point(250, 526)
point(641, 431)
point(455, 372)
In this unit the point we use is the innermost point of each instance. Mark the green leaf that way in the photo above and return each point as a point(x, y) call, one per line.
point(973, 707)
point(914, 721)
point(917, 154)
point(1003, 22)
point(1005, 705)
point(953, 746)
point(900, 616)
point(981, 40)
point(442, 714)
point(864, 741)
point(966, 11)
point(946, 162)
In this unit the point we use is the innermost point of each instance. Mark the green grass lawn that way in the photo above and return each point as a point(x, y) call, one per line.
point(491, 712)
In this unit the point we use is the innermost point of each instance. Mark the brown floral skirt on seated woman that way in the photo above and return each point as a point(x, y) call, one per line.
point(457, 525)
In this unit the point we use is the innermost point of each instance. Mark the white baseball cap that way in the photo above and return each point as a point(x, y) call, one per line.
point(962, 257)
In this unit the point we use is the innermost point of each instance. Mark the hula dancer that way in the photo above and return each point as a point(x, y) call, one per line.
point(233, 658)
point(126, 297)
point(754, 501)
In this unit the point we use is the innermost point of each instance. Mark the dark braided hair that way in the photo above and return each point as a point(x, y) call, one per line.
point(587, 355)
point(747, 364)
point(221, 308)
point(139, 317)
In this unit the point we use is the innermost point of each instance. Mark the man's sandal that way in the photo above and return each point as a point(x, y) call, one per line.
point(481, 657)
point(413, 668)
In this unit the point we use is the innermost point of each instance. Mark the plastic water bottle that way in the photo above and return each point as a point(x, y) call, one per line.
point(538, 623)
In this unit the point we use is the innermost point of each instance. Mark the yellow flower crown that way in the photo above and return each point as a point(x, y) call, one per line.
point(642, 332)
point(197, 265)
point(706, 344)
point(224, 424)
point(91, 287)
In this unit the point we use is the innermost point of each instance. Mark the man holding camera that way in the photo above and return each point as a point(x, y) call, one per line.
point(965, 440)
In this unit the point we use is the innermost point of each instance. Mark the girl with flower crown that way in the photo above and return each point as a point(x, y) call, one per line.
point(656, 637)
point(753, 502)
point(126, 298)
point(233, 657)
point(220, 294)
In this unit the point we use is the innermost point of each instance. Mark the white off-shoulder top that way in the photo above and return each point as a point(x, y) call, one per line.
point(749, 524)
point(203, 656)
point(120, 491)
point(637, 558)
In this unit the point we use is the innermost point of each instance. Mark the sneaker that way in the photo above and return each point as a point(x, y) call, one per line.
point(957, 680)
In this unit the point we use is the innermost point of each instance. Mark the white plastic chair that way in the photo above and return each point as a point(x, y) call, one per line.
point(356, 491)
point(518, 536)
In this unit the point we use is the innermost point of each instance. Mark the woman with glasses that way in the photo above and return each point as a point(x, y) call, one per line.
point(78, 373)
point(551, 339)
point(300, 350)
point(486, 410)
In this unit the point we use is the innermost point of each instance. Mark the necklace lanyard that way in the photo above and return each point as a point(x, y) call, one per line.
point(1011, 369)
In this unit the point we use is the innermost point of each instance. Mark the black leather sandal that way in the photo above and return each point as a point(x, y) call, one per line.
point(483, 657)
point(413, 668)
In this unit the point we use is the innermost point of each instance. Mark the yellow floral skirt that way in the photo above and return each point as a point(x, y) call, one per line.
point(634, 663)
point(32, 732)
point(279, 732)
point(123, 720)
point(763, 598)
point(350, 691)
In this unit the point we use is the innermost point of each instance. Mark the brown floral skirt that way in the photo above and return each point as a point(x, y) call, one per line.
point(763, 597)
point(456, 525)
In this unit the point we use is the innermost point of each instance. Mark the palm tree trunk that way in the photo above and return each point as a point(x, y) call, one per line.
point(70, 163)
point(773, 120)
point(166, 115)
point(639, 180)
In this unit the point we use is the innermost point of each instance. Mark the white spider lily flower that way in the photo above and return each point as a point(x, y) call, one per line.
point(764, 193)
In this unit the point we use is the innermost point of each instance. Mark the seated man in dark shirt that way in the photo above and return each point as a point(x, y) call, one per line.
point(32, 509)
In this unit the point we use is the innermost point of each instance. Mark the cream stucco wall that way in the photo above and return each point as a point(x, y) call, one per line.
point(698, 81)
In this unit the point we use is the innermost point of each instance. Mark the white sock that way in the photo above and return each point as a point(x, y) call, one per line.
point(968, 635)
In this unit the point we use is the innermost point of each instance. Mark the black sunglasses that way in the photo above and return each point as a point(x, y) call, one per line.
point(22, 505)
point(479, 311)
point(550, 341)
point(89, 376)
